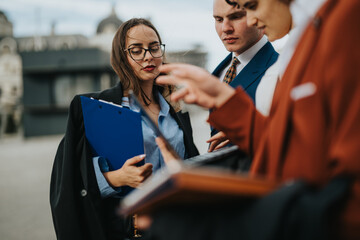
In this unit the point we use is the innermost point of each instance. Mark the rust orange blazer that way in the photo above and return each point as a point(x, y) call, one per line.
point(313, 130)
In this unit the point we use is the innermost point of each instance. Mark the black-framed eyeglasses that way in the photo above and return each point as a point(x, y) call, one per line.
point(138, 53)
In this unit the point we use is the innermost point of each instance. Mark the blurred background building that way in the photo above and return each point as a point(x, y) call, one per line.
point(11, 89)
point(39, 75)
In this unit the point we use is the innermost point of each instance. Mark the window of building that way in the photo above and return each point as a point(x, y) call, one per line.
point(67, 86)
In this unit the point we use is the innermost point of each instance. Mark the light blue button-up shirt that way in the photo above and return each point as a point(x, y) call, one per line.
point(171, 131)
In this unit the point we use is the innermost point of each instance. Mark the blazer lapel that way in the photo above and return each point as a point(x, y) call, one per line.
point(247, 76)
point(222, 65)
point(256, 67)
point(293, 76)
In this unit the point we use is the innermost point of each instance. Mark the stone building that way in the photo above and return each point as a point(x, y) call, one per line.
point(10, 78)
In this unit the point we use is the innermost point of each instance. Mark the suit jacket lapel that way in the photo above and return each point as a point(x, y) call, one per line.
point(257, 66)
point(222, 65)
point(247, 76)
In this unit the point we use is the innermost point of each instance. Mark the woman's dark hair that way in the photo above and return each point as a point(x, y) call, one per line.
point(122, 67)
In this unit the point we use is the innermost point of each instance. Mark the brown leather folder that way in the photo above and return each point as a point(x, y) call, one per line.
point(180, 186)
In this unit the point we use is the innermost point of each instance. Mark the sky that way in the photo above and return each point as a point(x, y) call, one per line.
point(181, 23)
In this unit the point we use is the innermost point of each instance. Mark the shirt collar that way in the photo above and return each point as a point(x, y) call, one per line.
point(247, 55)
point(303, 10)
point(164, 106)
point(125, 102)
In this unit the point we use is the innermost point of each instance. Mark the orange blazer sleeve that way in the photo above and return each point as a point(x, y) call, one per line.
point(240, 121)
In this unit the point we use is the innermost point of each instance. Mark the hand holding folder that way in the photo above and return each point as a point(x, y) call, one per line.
point(112, 131)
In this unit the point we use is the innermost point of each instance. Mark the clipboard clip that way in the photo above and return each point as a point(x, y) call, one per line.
point(101, 100)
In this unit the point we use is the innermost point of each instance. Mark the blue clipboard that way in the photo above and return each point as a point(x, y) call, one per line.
point(112, 131)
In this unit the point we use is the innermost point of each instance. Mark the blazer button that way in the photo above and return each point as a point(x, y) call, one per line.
point(83, 193)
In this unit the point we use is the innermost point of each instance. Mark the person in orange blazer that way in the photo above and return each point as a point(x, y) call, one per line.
point(313, 130)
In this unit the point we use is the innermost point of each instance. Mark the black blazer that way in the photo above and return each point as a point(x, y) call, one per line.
point(76, 205)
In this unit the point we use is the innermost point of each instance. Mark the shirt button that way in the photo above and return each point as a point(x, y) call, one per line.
point(83, 193)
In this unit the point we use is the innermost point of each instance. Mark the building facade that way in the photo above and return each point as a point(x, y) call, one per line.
point(11, 88)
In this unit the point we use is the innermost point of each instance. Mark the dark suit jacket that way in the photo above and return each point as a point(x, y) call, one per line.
point(249, 78)
point(77, 208)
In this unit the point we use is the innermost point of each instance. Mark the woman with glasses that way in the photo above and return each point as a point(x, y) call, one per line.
point(84, 193)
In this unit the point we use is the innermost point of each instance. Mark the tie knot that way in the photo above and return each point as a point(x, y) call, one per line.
point(235, 61)
point(231, 72)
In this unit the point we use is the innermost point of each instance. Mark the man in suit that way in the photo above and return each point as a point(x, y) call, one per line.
point(248, 44)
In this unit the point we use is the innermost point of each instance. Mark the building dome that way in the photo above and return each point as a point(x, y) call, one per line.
point(110, 24)
point(6, 27)
point(3, 18)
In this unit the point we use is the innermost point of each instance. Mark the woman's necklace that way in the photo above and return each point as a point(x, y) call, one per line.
point(154, 113)
point(156, 109)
